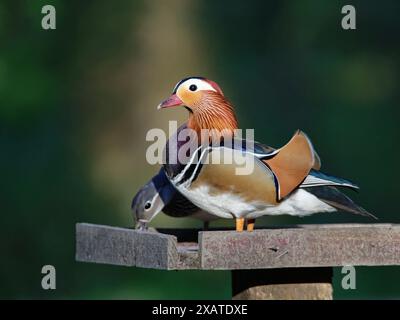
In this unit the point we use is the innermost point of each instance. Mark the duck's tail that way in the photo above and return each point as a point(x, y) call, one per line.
point(332, 196)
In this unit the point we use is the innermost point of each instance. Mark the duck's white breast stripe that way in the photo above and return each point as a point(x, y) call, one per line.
point(181, 175)
point(187, 166)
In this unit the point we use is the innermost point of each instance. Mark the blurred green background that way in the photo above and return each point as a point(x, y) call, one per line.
point(76, 103)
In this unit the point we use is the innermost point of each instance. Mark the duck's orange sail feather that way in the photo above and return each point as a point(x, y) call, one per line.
point(292, 163)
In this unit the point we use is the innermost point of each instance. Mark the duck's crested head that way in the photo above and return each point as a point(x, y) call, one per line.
point(206, 103)
point(190, 92)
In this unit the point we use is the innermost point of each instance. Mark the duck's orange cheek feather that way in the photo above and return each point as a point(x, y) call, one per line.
point(189, 98)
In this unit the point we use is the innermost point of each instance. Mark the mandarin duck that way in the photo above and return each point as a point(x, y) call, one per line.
point(283, 181)
point(160, 195)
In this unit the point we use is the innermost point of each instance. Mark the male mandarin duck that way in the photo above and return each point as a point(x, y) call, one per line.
point(283, 181)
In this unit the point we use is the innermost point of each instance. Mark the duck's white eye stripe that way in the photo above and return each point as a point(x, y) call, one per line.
point(184, 80)
point(199, 84)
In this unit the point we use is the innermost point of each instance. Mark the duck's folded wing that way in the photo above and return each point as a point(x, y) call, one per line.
point(275, 174)
point(220, 176)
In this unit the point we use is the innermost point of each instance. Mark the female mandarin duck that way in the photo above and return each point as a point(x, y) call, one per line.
point(160, 195)
point(283, 181)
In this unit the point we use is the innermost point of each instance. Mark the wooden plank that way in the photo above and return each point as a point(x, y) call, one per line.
point(125, 247)
point(291, 247)
point(299, 246)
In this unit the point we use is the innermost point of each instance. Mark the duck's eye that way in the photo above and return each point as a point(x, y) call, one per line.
point(147, 205)
point(193, 87)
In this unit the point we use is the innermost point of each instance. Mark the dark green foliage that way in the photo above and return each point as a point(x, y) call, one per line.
point(284, 64)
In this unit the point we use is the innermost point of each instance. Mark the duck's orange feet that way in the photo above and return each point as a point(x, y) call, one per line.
point(250, 224)
point(239, 224)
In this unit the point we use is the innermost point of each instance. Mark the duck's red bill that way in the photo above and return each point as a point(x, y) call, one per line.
point(172, 101)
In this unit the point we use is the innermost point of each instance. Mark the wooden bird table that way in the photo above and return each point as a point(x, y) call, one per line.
point(293, 262)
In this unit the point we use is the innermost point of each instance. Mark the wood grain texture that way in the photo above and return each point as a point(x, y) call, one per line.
point(305, 246)
point(287, 247)
point(126, 247)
